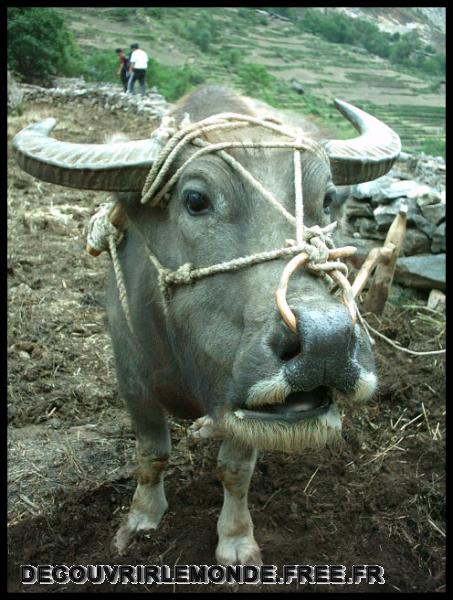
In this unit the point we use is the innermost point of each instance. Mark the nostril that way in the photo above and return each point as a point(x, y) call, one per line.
point(290, 351)
point(285, 345)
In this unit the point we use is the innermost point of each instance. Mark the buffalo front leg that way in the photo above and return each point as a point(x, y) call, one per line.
point(237, 545)
point(149, 502)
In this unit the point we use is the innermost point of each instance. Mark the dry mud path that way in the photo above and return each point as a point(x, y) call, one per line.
point(379, 499)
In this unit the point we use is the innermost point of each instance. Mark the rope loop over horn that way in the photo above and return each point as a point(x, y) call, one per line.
point(101, 231)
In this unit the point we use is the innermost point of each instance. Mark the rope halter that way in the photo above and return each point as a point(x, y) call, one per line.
point(313, 247)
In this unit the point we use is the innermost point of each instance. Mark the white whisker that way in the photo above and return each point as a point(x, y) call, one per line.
point(284, 437)
point(273, 390)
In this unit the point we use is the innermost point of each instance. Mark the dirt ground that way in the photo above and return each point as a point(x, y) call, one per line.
point(379, 499)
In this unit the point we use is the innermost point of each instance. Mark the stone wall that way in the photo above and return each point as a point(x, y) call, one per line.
point(110, 96)
point(15, 93)
point(370, 208)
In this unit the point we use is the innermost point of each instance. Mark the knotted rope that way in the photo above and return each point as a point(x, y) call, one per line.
point(313, 244)
point(103, 235)
point(100, 229)
point(315, 241)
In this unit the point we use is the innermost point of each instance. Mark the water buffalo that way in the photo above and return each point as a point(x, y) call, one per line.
point(216, 349)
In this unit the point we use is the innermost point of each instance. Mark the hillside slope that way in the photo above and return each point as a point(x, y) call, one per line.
point(429, 21)
point(414, 105)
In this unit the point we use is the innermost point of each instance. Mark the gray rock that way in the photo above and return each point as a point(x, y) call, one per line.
point(349, 227)
point(368, 229)
point(385, 213)
point(434, 213)
point(425, 226)
point(430, 170)
point(438, 244)
point(415, 242)
point(421, 190)
point(354, 208)
point(370, 188)
point(398, 189)
point(400, 174)
point(431, 197)
point(297, 86)
point(437, 300)
point(404, 157)
point(15, 93)
point(403, 170)
point(423, 272)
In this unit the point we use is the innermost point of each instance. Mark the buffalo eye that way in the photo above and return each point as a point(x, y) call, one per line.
point(328, 199)
point(196, 202)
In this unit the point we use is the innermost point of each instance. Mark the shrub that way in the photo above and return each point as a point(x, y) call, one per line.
point(255, 79)
point(40, 45)
point(202, 38)
point(120, 14)
point(434, 64)
point(173, 82)
point(100, 65)
point(244, 13)
point(201, 32)
point(288, 13)
point(434, 147)
point(156, 13)
point(251, 15)
point(230, 56)
point(402, 51)
point(180, 28)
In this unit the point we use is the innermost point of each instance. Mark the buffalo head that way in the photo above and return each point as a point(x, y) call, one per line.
point(219, 345)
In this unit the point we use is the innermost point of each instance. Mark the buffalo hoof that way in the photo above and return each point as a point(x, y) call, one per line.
point(148, 507)
point(128, 533)
point(204, 428)
point(238, 551)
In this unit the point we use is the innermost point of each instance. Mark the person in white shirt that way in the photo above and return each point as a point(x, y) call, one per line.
point(137, 69)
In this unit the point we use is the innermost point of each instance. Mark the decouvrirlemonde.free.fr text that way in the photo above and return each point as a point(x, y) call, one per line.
point(201, 574)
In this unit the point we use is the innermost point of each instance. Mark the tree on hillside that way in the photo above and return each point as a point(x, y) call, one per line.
point(39, 44)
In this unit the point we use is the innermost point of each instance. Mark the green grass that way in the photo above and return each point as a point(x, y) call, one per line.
point(434, 146)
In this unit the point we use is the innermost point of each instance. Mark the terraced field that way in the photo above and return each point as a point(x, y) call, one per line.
point(413, 105)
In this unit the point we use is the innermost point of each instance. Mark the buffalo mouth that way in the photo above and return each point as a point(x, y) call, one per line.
point(298, 406)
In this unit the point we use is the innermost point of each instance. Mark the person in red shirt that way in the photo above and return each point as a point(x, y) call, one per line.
point(123, 70)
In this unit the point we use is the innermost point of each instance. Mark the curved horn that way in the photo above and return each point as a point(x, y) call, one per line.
point(366, 157)
point(115, 167)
